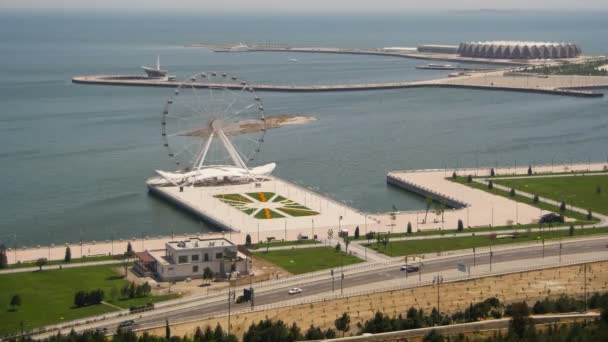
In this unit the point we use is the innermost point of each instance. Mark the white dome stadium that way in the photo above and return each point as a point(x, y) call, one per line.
point(519, 50)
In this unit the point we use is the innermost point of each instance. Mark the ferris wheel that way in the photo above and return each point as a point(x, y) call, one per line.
point(213, 133)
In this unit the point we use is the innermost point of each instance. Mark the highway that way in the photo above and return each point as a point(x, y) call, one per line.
point(525, 256)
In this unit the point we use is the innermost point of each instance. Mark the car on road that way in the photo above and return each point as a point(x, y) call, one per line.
point(410, 268)
point(294, 290)
point(126, 325)
point(551, 218)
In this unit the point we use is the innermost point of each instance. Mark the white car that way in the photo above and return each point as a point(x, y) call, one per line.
point(294, 290)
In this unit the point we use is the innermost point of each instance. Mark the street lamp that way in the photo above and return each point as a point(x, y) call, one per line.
point(438, 279)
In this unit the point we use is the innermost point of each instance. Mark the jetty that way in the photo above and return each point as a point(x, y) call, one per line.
point(579, 86)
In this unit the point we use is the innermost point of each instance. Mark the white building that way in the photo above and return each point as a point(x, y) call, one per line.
point(189, 258)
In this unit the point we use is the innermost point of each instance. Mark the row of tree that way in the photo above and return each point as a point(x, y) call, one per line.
point(133, 291)
point(86, 298)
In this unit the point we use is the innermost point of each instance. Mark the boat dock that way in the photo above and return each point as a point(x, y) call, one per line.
point(579, 86)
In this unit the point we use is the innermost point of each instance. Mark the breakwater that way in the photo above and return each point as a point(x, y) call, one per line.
point(476, 81)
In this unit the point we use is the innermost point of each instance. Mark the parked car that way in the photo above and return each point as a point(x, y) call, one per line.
point(551, 218)
point(294, 290)
point(410, 268)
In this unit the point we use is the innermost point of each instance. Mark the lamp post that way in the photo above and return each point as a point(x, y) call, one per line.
point(438, 279)
point(342, 284)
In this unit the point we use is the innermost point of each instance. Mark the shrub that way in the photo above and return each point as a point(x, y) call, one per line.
point(589, 215)
point(530, 170)
point(409, 227)
point(492, 172)
point(571, 230)
point(470, 179)
point(68, 254)
point(512, 192)
point(454, 175)
point(460, 225)
point(338, 247)
point(536, 199)
point(490, 185)
point(248, 240)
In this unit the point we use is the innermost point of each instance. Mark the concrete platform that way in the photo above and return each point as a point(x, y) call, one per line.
point(244, 211)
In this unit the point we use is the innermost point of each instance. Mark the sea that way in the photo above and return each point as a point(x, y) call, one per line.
point(74, 158)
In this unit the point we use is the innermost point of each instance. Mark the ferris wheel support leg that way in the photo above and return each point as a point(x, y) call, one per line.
point(200, 159)
point(234, 155)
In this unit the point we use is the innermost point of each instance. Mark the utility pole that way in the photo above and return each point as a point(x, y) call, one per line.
point(560, 250)
point(231, 296)
point(333, 289)
point(474, 257)
point(342, 284)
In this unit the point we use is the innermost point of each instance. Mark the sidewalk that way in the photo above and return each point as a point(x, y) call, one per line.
point(61, 266)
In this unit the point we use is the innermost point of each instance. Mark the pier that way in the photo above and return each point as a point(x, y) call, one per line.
point(578, 86)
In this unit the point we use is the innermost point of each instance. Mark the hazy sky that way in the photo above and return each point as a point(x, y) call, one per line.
point(269, 6)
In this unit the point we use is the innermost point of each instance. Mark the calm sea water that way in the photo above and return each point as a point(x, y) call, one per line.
point(74, 158)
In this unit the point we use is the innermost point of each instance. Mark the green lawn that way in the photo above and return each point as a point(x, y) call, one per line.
point(305, 260)
point(266, 214)
point(401, 248)
point(581, 218)
point(262, 245)
point(47, 296)
point(74, 261)
point(580, 191)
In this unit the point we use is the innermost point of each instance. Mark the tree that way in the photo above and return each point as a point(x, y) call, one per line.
point(490, 185)
point(469, 179)
point(520, 323)
point(492, 172)
point(384, 240)
point(571, 230)
point(338, 247)
point(536, 199)
point(342, 323)
point(68, 254)
point(15, 301)
point(460, 225)
point(248, 240)
point(529, 170)
point(346, 239)
point(41, 262)
point(314, 333)
point(3, 257)
point(409, 227)
point(598, 189)
point(454, 175)
point(562, 208)
point(429, 203)
point(369, 236)
point(357, 233)
point(129, 253)
point(433, 336)
point(589, 215)
point(512, 192)
point(167, 329)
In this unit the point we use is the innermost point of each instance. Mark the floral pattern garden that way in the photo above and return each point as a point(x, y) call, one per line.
point(265, 205)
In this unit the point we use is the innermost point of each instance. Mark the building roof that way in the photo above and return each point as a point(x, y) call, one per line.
point(196, 243)
point(145, 256)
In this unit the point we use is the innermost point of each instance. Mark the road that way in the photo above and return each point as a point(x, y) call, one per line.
point(374, 277)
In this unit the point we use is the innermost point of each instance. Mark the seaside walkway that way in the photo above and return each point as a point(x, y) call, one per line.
point(579, 86)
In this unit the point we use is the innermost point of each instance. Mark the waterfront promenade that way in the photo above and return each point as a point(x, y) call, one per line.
point(579, 86)
point(483, 209)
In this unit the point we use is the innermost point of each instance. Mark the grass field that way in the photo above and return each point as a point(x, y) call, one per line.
point(74, 261)
point(401, 248)
point(262, 245)
point(581, 218)
point(580, 191)
point(48, 296)
point(305, 260)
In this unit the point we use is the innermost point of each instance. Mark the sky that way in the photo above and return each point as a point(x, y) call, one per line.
point(297, 6)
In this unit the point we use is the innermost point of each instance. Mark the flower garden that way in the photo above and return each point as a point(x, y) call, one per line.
point(265, 205)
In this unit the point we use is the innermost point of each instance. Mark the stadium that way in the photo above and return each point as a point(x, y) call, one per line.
point(519, 50)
